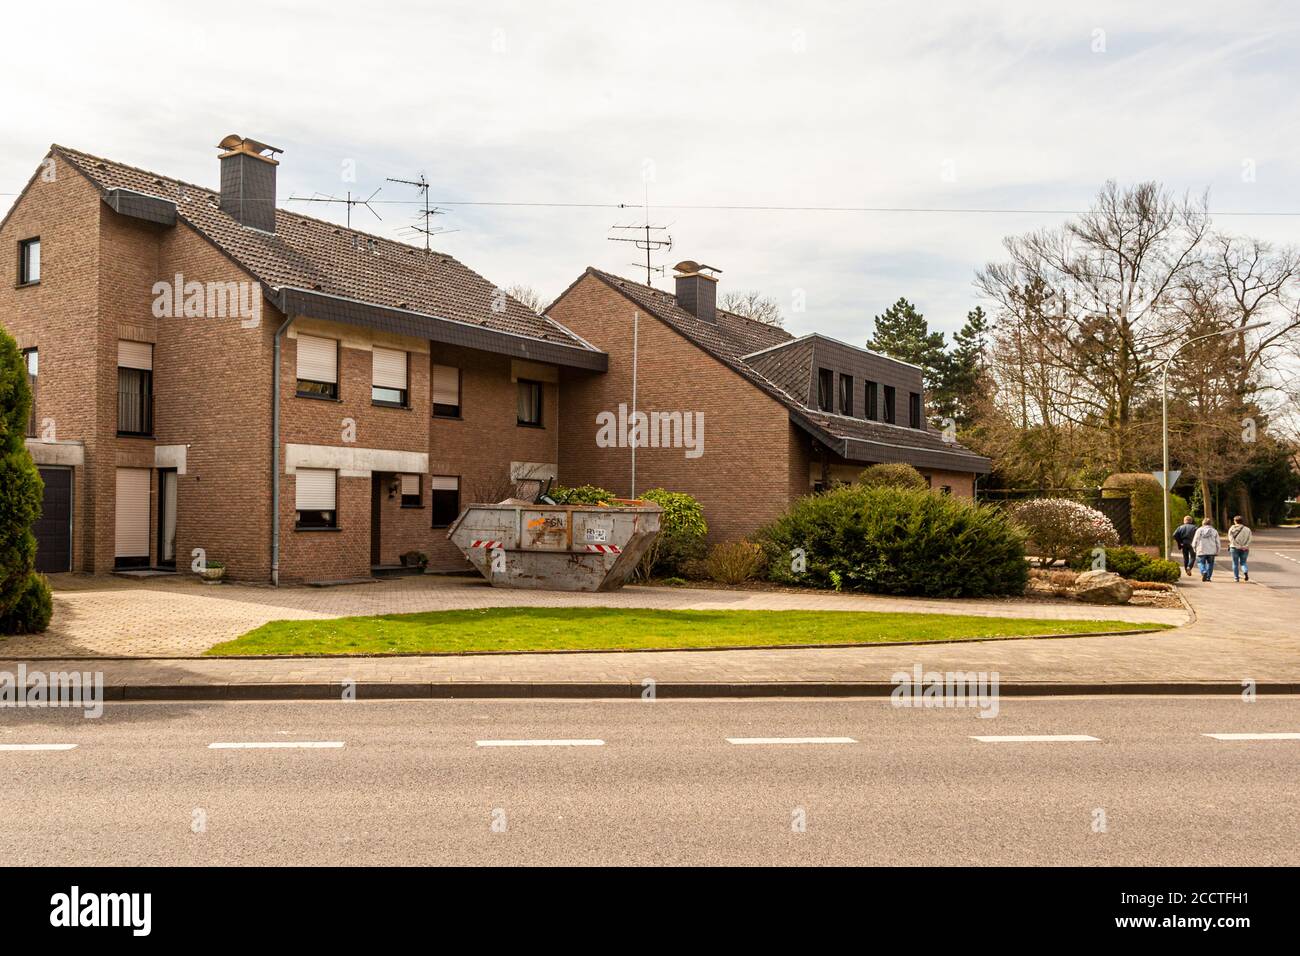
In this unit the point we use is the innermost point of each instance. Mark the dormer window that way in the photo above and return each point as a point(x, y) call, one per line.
point(825, 390)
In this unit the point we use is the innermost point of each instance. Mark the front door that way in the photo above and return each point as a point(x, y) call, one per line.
point(167, 517)
point(53, 529)
point(376, 510)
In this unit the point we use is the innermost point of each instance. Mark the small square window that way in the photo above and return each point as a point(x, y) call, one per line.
point(530, 403)
point(29, 261)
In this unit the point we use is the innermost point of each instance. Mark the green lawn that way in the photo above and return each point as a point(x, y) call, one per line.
point(555, 629)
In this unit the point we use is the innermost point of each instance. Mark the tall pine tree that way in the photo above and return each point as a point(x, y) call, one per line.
point(966, 369)
point(901, 332)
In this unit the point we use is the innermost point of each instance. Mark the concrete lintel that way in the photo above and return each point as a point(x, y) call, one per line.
point(352, 462)
point(67, 453)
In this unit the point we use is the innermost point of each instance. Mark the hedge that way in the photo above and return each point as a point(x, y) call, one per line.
point(896, 541)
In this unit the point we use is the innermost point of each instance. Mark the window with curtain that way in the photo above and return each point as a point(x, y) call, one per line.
point(530, 403)
point(134, 388)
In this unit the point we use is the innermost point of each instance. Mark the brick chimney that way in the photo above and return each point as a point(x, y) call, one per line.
point(697, 289)
point(248, 181)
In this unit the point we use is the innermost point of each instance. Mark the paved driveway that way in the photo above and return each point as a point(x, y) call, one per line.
point(181, 617)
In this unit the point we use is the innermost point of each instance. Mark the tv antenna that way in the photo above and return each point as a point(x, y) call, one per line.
point(422, 184)
point(648, 242)
point(349, 202)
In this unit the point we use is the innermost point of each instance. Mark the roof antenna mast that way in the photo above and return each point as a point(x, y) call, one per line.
point(647, 242)
point(349, 201)
point(422, 184)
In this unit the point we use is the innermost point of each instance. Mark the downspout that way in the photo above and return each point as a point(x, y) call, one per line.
point(275, 450)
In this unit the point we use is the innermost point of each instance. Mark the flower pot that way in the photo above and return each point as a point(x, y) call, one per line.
point(212, 575)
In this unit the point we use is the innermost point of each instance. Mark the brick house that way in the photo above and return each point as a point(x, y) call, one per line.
point(763, 417)
point(152, 313)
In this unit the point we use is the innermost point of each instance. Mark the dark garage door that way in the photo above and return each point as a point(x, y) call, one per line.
point(53, 529)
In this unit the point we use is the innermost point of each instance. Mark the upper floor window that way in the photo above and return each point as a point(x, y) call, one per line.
point(446, 392)
point(388, 385)
point(31, 360)
point(826, 390)
point(889, 404)
point(318, 367)
point(29, 261)
point(872, 408)
point(134, 388)
point(914, 409)
point(530, 403)
point(846, 394)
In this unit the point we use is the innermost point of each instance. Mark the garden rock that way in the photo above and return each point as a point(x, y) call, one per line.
point(1102, 587)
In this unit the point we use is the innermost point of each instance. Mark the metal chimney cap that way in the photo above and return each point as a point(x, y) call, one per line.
point(235, 144)
point(688, 267)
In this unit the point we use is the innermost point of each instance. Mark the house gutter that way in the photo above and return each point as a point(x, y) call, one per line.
point(275, 453)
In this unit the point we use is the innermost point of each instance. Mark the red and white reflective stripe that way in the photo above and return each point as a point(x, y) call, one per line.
point(605, 548)
point(482, 543)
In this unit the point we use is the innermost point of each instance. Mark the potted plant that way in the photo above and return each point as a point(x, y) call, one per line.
point(213, 572)
point(415, 559)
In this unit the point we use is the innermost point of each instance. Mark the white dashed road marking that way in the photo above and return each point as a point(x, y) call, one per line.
point(1286, 736)
point(279, 745)
point(38, 746)
point(540, 743)
point(1039, 738)
point(791, 740)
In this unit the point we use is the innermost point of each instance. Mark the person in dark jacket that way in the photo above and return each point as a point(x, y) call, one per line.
point(1183, 536)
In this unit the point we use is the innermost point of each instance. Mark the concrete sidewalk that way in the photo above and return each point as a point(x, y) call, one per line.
point(1242, 632)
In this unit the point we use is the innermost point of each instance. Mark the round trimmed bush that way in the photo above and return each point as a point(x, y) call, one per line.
point(896, 541)
point(1063, 530)
point(892, 475)
point(31, 613)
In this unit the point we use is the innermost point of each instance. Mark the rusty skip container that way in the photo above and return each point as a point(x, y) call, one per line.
point(519, 544)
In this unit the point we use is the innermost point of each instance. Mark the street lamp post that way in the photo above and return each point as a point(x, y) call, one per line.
point(1164, 411)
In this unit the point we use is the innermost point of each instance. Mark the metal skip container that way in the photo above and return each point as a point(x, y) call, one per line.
point(519, 544)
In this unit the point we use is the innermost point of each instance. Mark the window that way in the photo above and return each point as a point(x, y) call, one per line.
point(388, 384)
point(825, 390)
point(31, 361)
point(411, 497)
point(444, 499)
point(29, 261)
point(872, 408)
point(889, 404)
point(446, 392)
point(530, 403)
point(318, 367)
point(846, 394)
point(134, 388)
point(914, 409)
point(316, 503)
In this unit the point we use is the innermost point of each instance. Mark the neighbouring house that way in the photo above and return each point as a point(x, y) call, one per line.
point(742, 415)
point(152, 311)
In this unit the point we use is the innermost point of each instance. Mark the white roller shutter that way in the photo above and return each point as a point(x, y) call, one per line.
point(411, 485)
point(441, 483)
point(446, 385)
point(315, 489)
point(318, 359)
point(135, 355)
point(390, 368)
point(132, 518)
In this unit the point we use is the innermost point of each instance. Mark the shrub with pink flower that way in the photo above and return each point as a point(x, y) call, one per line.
point(1063, 530)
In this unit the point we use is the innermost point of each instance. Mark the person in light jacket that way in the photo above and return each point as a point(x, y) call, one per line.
point(1239, 536)
point(1206, 544)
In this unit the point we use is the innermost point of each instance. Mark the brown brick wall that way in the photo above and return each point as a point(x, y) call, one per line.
point(741, 479)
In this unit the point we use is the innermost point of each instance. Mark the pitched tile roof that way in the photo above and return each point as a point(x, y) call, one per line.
point(313, 254)
point(784, 371)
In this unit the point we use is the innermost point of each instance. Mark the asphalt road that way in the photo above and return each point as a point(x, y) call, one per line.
point(1274, 560)
point(653, 782)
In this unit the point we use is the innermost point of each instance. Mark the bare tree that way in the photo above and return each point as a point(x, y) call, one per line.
point(754, 305)
point(526, 295)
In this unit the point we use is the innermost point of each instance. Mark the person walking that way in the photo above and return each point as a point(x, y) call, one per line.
point(1183, 536)
point(1239, 535)
point(1206, 544)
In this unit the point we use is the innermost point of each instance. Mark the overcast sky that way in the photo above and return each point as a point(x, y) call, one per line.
point(1002, 106)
